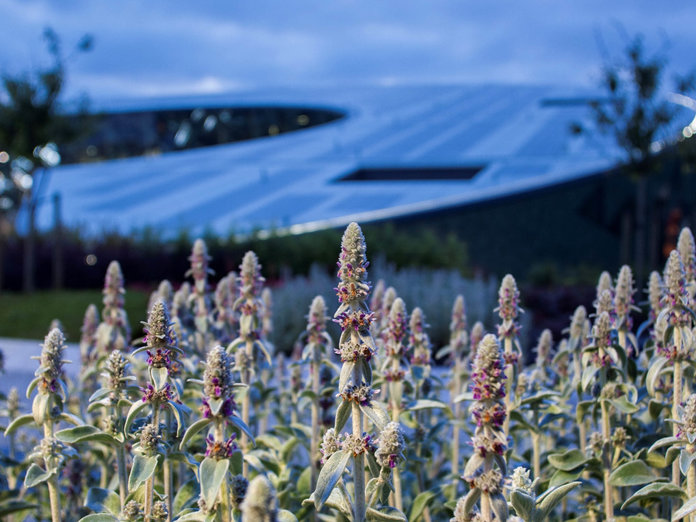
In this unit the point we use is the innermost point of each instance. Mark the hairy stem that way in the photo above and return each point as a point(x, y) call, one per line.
point(676, 402)
point(53, 494)
point(606, 460)
point(359, 460)
point(246, 378)
point(122, 474)
point(455, 428)
point(316, 427)
point(150, 484)
point(224, 508)
point(509, 370)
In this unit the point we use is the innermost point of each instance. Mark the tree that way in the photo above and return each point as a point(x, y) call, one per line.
point(640, 117)
point(32, 126)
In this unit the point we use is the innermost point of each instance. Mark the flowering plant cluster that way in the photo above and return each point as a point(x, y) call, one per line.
point(204, 420)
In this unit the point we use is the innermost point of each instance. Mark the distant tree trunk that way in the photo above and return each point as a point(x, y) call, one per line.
point(57, 243)
point(641, 209)
point(2, 260)
point(28, 284)
point(626, 237)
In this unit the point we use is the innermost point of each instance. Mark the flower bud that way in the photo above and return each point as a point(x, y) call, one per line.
point(260, 503)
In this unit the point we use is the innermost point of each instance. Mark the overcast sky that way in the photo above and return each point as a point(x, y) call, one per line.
point(161, 47)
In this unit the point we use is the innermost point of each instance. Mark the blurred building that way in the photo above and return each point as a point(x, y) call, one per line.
point(497, 164)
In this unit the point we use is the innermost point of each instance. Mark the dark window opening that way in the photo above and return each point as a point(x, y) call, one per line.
point(413, 174)
point(141, 133)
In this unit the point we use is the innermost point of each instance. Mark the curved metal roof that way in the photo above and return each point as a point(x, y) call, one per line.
point(519, 136)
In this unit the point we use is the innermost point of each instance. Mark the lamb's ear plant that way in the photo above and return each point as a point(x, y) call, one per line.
point(200, 299)
point(675, 344)
point(265, 390)
point(529, 506)
point(457, 349)
point(687, 252)
point(508, 310)
point(317, 345)
point(261, 503)
point(159, 393)
point(113, 333)
point(623, 308)
point(223, 316)
point(111, 398)
point(394, 372)
point(219, 414)
point(533, 411)
point(604, 360)
point(245, 346)
point(376, 305)
point(47, 413)
point(356, 348)
point(88, 354)
point(486, 468)
point(683, 444)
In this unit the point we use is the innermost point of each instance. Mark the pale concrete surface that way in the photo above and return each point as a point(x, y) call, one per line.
point(20, 367)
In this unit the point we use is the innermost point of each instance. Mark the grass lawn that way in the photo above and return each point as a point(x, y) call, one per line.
point(28, 316)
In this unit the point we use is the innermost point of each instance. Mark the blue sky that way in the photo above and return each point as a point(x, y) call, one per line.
point(163, 47)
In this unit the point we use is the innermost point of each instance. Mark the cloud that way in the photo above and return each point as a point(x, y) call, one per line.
point(174, 46)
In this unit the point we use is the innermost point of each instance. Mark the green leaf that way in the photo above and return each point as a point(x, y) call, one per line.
point(215, 405)
point(425, 404)
point(656, 491)
point(20, 421)
point(346, 373)
point(15, 506)
point(196, 516)
point(624, 405)
point(100, 499)
point(552, 497)
point(499, 506)
point(539, 397)
point(254, 461)
point(34, 382)
point(35, 476)
point(178, 416)
point(185, 495)
point(159, 377)
point(304, 482)
point(470, 499)
point(84, 433)
point(100, 394)
point(568, 460)
point(522, 503)
point(342, 415)
point(239, 423)
point(39, 407)
point(588, 375)
point(385, 514)
point(685, 460)
point(192, 430)
point(72, 419)
point(143, 468)
point(133, 413)
point(632, 473)
point(377, 414)
point(656, 368)
point(99, 517)
point(688, 508)
point(285, 516)
point(561, 477)
point(212, 472)
point(419, 504)
point(329, 475)
point(664, 441)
